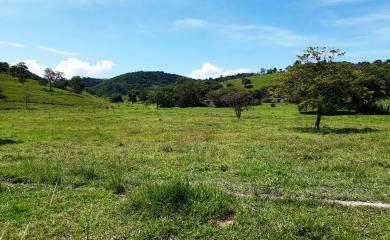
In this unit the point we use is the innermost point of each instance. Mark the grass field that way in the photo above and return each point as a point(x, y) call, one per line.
point(140, 173)
point(260, 81)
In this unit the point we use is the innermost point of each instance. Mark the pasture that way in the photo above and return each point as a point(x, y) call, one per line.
point(135, 172)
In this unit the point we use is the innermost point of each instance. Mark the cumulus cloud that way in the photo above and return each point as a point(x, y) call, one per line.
point(75, 67)
point(210, 71)
point(34, 67)
point(12, 44)
point(56, 51)
point(72, 67)
point(190, 23)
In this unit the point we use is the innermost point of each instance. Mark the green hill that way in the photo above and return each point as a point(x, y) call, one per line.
point(15, 92)
point(135, 80)
point(259, 81)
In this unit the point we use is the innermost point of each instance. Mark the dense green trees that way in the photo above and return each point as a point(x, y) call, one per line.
point(20, 71)
point(316, 82)
point(77, 84)
point(116, 99)
point(133, 96)
point(4, 67)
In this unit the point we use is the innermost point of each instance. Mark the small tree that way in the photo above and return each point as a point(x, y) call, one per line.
point(133, 96)
point(77, 84)
point(50, 76)
point(27, 97)
point(239, 101)
point(316, 82)
point(20, 71)
point(2, 96)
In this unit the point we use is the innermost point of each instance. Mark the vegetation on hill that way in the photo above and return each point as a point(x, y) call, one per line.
point(134, 81)
point(38, 93)
point(91, 82)
point(258, 81)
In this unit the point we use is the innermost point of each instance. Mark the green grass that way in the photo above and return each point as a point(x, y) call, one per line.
point(260, 81)
point(14, 91)
point(68, 172)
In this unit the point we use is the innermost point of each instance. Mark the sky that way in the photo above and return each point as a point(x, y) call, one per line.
point(195, 38)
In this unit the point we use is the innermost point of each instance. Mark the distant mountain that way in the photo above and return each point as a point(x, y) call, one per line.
point(135, 80)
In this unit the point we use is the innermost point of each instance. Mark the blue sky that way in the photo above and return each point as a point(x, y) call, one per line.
point(198, 38)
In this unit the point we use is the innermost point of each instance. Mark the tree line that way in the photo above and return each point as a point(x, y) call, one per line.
point(51, 78)
point(316, 82)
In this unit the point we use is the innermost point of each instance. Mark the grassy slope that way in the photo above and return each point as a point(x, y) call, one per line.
point(13, 89)
point(260, 81)
point(272, 150)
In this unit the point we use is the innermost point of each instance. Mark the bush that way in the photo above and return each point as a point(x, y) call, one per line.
point(384, 105)
point(117, 183)
point(180, 197)
point(116, 99)
point(87, 172)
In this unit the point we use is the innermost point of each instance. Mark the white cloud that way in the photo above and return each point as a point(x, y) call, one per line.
point(33, 66)
point(190, 23)
point(12, 44)
point(365, 19)
point(53, 50)
point(72, 67)
point(265, 34)
point(75, 67)
point(334, 2)
point(208, 70)
point(253, 33)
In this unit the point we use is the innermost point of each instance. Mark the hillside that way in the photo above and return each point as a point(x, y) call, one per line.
point(259, 81)
point(135, 80)
point(14, 91)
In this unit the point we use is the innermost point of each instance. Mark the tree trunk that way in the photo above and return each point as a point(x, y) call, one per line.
point(319, 115)
point(238, 113)
point(50, 90)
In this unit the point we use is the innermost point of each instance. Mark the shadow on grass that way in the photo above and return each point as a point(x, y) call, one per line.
point(345, 113)
point(336, 130)
point(8, 141)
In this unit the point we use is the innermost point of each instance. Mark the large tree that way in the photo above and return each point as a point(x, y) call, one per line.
point(319, 83)
point(77, 84)
point(20, 71)
point(133, 94)
point(162, 96)
point(56, 79)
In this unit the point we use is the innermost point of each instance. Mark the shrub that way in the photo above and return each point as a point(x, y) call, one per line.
point(116, 99)
point(180, 197)
point(117, 183)
point(384, 105)
point(87, 172)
